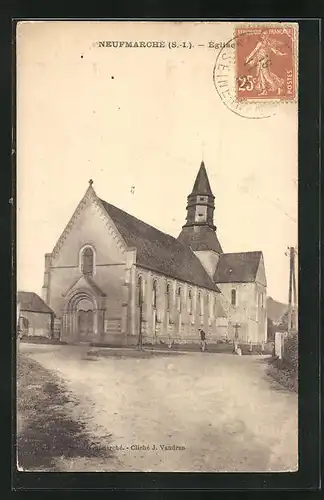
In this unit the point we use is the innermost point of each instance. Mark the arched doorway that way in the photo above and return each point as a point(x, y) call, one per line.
point(80, 322)
point(85, 319)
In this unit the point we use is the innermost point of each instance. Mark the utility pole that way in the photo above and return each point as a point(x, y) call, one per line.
point(294, 318)
point(292, 299)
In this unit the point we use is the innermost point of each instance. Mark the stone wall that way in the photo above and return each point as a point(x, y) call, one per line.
point(249, 312)
point(112, 262)
point(176, 317)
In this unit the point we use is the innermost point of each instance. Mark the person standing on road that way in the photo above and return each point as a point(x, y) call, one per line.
point(202, 340)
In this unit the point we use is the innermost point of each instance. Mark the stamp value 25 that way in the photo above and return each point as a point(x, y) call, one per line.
point(265, 63)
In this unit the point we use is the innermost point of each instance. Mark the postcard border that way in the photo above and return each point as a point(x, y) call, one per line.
point(309, 254)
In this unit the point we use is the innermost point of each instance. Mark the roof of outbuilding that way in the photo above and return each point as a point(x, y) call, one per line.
point(159, 251)
point(239, 267)
point(30, 301)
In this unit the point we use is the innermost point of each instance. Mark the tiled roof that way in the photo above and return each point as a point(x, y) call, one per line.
point(30, 301)
point(200, 238)
point(201, 185)
point(239, 267)
point(159, 251)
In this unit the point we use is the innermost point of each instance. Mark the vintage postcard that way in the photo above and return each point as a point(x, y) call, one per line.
point(157, 246)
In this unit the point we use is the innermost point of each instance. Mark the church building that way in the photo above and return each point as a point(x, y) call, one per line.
point(113, 279)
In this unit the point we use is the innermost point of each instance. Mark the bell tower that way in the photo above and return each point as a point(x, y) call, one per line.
point(199, 231)
point(201, 206)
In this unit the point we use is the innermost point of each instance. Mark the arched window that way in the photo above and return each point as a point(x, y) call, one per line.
point(190, 302)
point(87, 261)
point(168, 296)
point(179, 299)
point(154, 293)
point(140, 291)
point(233, 297)
point(201, 303)
point(211, 305)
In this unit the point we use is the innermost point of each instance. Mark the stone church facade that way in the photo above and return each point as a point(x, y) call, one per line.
point(113, 279)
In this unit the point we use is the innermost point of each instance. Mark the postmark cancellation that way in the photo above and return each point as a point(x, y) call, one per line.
point(257, 70)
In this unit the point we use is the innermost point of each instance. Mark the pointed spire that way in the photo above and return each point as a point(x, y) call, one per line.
point(201, 185)
point(90, 182)
point(199, 231)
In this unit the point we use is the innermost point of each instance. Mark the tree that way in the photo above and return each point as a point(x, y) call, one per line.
point(283, 325)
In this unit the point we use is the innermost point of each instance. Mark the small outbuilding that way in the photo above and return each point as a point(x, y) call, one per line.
point(35, 318)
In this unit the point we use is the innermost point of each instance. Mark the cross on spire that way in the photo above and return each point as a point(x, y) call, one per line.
point(202, 149)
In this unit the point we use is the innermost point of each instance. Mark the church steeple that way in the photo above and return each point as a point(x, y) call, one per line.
point(201, 185)
point(199, 231)
point(201, 206)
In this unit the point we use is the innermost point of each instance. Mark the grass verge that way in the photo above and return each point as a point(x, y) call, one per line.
point(46, 429)
point(124, 353)
point(283, 374)
point(33, 339)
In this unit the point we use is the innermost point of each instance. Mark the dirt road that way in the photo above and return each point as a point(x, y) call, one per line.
point(177, 412)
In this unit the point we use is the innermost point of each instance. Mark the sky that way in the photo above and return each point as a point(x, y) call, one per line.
point(145, 117)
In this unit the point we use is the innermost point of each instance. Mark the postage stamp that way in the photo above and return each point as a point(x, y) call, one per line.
point(256, 71)
point(265, 63)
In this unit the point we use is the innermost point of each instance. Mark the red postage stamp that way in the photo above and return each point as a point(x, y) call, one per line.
point(265, 63)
